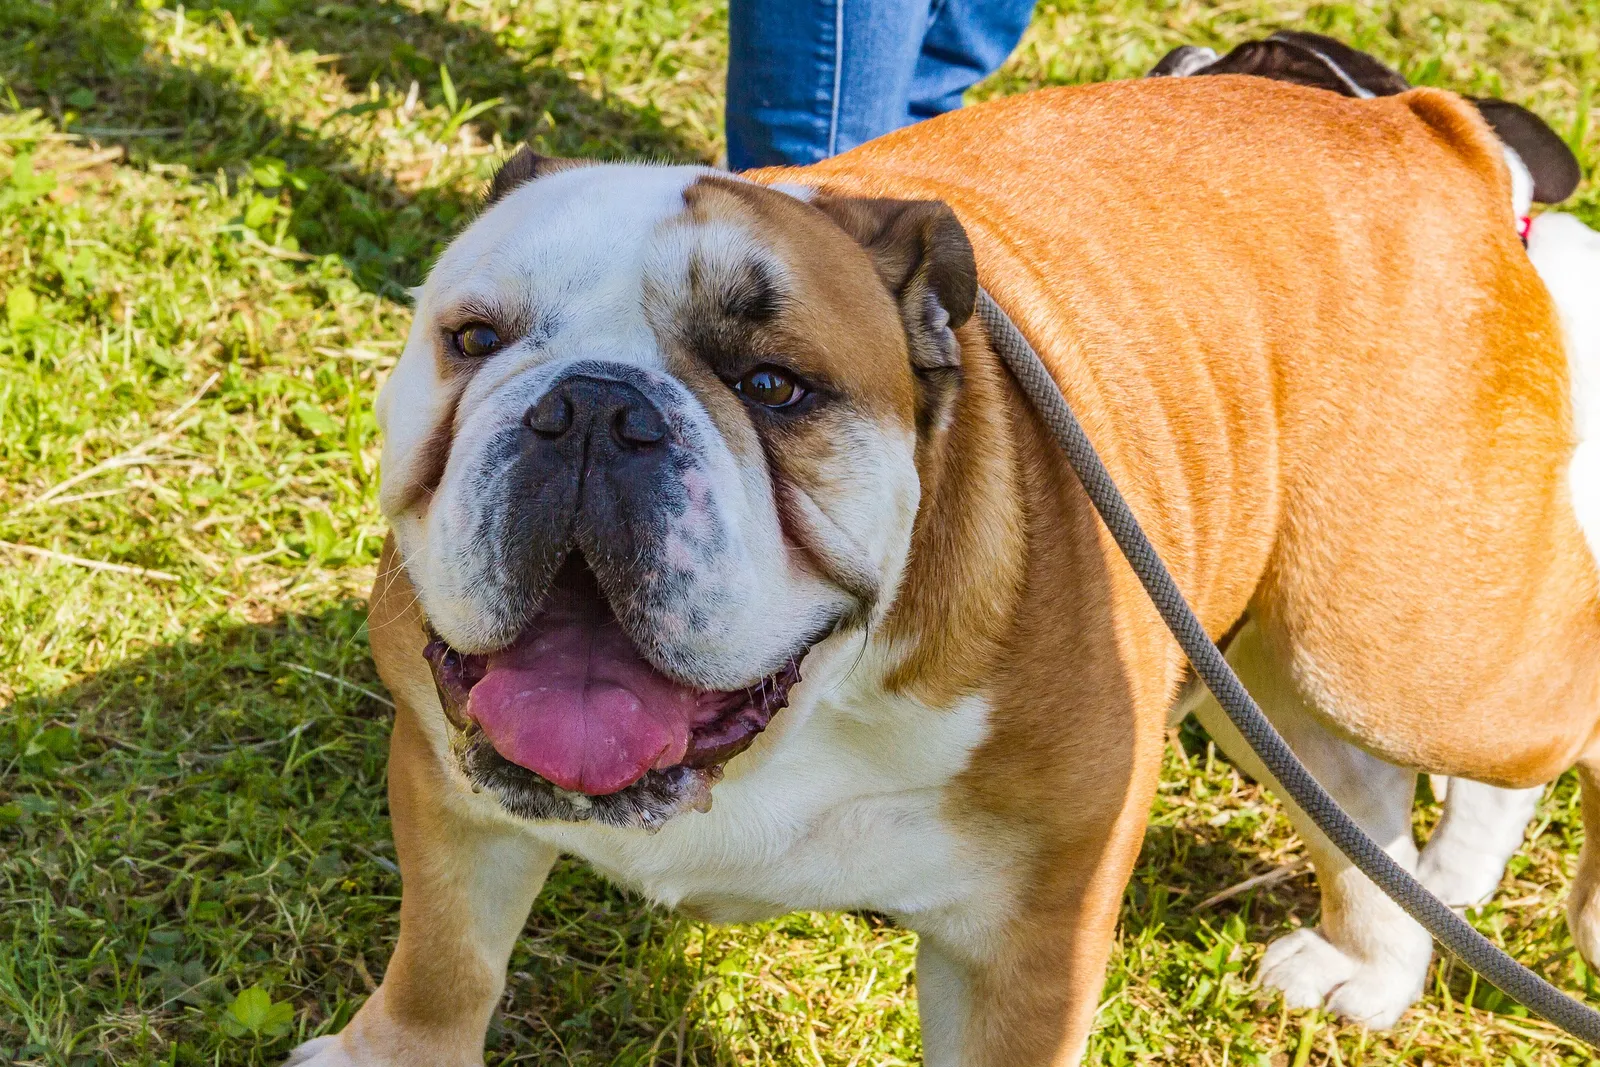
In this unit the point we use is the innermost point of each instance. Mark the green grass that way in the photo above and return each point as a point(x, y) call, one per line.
point(209, 216)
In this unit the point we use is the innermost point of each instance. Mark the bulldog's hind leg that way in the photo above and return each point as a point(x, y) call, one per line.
point(1466, 854)
point(1366, 959)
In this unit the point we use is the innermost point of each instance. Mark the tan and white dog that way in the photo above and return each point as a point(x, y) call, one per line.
point(727, 557)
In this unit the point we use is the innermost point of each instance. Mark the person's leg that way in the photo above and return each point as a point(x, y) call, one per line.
point(808, 79)
point(967, 40)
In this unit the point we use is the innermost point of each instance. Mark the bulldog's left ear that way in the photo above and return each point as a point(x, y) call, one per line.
point(525, 165)
point(924, 258)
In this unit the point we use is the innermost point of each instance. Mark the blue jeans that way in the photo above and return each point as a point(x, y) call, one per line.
point(808, 79)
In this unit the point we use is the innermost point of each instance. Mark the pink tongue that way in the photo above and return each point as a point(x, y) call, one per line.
point(573, 702)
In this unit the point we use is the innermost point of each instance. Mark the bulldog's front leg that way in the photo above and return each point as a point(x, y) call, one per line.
point(467, 888)
point(1028, 998)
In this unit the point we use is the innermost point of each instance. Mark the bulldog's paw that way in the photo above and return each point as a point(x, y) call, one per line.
point(1310, 972)
point(362, 1044)
point(321, 1052)
point(1305, 968)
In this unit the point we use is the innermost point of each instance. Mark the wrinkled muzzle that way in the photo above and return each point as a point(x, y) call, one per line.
point(595, 462)
point(607, 556)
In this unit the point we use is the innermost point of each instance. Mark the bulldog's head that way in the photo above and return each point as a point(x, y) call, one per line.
point(654, 435)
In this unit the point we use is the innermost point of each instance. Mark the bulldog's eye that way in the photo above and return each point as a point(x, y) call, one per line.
point(771, 387)
point(477, 339)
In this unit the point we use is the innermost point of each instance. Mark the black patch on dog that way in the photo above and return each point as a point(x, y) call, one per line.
point(1307, 59)
point(1358, 67)
point(756, 296)
point(645, 805)
point(725, 320)
point(1182, 61)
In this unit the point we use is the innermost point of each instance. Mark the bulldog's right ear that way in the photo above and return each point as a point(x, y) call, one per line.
point(525, 165)
point(924, 258)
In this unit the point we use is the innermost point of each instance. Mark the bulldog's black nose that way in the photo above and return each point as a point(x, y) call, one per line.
point(582, 406)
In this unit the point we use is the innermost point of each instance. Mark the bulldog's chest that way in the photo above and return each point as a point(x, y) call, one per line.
point(851, 809)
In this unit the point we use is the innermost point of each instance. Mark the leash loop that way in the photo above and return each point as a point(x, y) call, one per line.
point(1448, 928)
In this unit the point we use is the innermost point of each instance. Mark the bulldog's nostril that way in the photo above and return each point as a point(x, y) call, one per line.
point(603, 411)
point(639, 426)
point(551, 416)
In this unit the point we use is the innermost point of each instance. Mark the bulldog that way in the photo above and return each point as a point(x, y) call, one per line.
point(727, 557)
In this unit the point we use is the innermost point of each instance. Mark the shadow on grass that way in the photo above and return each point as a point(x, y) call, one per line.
point(93, 56)
point(209, 815)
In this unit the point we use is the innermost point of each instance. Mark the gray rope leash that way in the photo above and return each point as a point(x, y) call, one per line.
point(1451, 931)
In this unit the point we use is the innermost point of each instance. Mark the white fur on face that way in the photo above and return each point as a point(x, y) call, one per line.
point(841, 802)
point(589, 261)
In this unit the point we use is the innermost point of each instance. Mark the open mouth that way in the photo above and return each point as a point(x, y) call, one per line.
point(570, 721)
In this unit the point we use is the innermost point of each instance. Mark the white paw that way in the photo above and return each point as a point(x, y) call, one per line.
point(1379, 994)
point(1311, 972)
point(320, 1052)
point(1305, 968)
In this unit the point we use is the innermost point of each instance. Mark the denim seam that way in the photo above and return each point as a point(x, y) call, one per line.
point(838, 76)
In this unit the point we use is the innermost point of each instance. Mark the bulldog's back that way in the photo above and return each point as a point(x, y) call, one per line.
point(1281, 312)
point(1138, 229)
